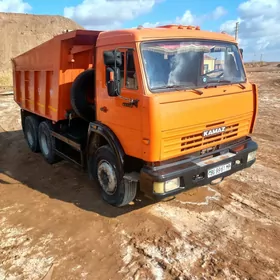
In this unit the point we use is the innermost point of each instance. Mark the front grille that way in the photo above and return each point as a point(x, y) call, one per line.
point(197, 140)
point(184, 141)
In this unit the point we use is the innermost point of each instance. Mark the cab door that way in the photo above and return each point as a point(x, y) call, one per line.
point(123, 118)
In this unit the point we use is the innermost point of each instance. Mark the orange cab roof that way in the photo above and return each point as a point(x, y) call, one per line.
point(161, 32)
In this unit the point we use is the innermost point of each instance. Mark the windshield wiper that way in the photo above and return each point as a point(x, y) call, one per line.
point(177, 87)
point(180, 87)
point(217, 82)
point(200, 92)
point(220, 82)
point(242, 86)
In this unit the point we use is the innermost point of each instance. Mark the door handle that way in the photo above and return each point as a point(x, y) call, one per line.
point(131, 103)
point(104, 109)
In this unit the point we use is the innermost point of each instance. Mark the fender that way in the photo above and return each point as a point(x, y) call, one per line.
point(255, 100)
point(109, 135)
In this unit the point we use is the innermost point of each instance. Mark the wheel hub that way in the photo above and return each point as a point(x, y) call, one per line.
point(107, 177)
point(29, 137)
point(44, 143)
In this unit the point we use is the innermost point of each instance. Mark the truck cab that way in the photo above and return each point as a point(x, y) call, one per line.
point(181, 101)
point(173, 110)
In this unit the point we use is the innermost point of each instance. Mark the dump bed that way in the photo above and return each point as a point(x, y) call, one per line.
point(43, 76)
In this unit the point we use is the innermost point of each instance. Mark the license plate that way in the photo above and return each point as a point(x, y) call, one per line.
point(219, 170)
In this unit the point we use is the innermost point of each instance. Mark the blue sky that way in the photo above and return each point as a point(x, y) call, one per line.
point(170, 9)
point(259, 19)
point(163, 11)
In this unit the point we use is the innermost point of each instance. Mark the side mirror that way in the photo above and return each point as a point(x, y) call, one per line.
point(112, 57)
point(113, 81)
point(113, 60)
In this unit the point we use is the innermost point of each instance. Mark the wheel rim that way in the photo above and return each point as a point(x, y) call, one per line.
point(44, 144)
point(107, 177)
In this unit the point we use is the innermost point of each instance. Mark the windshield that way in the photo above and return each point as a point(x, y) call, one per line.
point(191, 64)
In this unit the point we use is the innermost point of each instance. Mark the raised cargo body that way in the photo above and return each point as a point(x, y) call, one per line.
point(158, 110)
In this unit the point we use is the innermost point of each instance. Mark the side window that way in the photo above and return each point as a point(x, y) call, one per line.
point(131, 78)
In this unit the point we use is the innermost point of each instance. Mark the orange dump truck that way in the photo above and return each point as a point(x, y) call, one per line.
point(159, 110)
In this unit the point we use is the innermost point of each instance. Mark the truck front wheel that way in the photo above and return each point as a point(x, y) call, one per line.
point(109, 177)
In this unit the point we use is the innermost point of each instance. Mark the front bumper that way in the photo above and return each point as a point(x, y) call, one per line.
point(193, 172)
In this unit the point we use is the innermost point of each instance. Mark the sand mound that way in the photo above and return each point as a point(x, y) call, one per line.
point(21, 32)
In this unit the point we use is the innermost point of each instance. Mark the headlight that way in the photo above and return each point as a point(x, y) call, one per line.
point(251, 156)
point(170, 185)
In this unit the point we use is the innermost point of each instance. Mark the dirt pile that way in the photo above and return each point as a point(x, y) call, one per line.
point(21, 32)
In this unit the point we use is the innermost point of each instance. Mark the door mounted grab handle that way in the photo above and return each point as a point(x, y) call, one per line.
point(104, 109)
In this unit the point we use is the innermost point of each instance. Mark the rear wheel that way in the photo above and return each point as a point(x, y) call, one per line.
point(30, 129)
point(109, 176)
point(47, 142)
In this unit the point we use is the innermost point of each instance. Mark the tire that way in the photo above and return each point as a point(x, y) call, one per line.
point(30, 126)
point(47, 142)
point(82, 88)
point(109, 177)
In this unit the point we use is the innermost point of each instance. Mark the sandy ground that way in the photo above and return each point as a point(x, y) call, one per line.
point(53, 220)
